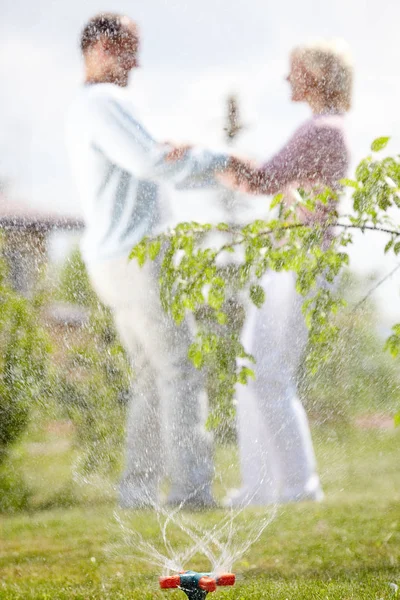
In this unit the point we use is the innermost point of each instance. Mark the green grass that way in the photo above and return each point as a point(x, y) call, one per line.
point(347, 547)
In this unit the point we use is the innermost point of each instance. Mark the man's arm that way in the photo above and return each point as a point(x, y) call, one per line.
point(127, 143)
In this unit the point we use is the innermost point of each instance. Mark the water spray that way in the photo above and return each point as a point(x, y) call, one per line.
point(196, 585)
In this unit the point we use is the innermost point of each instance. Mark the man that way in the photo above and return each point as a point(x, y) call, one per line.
point(117, 166)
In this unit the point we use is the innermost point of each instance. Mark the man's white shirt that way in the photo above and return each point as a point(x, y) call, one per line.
point(118, 167)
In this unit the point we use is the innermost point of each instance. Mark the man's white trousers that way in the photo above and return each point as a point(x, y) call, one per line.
point(167, 410)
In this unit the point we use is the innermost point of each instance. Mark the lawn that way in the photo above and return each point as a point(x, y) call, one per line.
point(346, 547)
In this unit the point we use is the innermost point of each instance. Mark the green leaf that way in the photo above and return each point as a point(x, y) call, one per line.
point(196, 356)
point(154, 249)
point(221, 318)
point(388, 246)
point(216, 297)
point(139, 252)
point(257, 295)
point(393, 345)
point(350, 183)
point(276, 200)
point(379, 144)
point(178, 312)
point(397, 420)
point(223, 227)
point(244, 374)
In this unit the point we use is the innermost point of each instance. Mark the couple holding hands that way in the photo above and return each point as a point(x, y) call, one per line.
point(119, 169)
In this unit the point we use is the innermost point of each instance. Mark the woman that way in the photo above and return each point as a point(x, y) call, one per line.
point(277, 457)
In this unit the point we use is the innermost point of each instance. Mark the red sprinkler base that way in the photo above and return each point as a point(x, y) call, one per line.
point(196, 585)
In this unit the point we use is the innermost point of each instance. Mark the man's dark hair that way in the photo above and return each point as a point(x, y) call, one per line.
point(106, 25)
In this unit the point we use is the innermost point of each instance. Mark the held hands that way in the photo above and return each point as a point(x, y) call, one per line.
point(240, 175)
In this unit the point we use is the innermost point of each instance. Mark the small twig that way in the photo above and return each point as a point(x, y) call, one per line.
point(374, 288)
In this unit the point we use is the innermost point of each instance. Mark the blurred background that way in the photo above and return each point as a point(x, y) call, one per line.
point(54, 429)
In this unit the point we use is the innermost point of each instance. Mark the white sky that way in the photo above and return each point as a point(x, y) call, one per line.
point(193, 55)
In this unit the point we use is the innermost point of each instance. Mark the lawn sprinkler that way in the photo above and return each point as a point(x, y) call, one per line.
point(196, 585)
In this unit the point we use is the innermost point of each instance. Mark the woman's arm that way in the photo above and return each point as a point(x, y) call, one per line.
point(308, 158)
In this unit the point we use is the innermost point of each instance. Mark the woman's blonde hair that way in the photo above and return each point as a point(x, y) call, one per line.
point(329, 62)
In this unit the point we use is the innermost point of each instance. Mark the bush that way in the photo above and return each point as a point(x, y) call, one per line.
point(14, 493)
point(74, 286)
point(94, 385)
point(24, 363)
point(24, 373)
point(359, 377)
